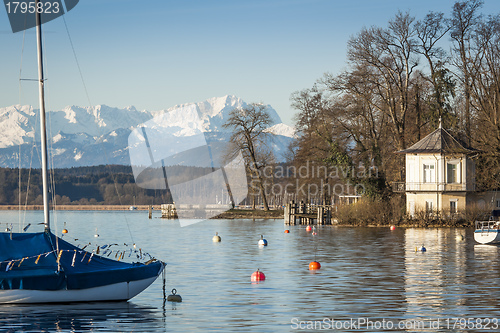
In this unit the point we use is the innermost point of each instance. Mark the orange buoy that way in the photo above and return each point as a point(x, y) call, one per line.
point(313, 265)
point(65, 231)
point(287, 231)
point(258, 276)
point(308, 228)
point(393, 227)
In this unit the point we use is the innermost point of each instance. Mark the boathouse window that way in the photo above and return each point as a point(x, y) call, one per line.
point(452, 173)
point(453, 206)
point(428, 206)
point(498, 203)
point(412, 208)
point(429, 173)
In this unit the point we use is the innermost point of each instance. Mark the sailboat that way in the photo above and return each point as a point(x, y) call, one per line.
point(43, 268)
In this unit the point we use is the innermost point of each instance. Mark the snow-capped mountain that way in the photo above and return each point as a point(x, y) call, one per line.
point(83, 136)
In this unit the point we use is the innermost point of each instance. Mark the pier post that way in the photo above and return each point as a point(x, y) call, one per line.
point(321, 210)
point(286, 213)
point(302, 208)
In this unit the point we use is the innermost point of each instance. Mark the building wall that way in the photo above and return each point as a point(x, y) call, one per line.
point(418, 202)
point(415, 173)
point(484, 200)
point(440, 187)
point(471, 175)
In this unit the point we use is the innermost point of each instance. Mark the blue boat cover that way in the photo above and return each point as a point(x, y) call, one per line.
point(29, 261)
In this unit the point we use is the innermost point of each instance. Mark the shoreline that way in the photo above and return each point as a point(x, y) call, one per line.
point(79, 207)
point(239, 214)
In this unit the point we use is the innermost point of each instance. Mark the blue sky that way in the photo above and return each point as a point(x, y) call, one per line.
point(155, 54)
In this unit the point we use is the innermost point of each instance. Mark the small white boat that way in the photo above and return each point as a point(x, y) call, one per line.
point(488, 232)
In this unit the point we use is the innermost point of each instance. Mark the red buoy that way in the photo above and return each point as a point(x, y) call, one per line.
point(314, 265)
point(287, 231)
point(258, 276)
point(393, 227)
point(308, 228)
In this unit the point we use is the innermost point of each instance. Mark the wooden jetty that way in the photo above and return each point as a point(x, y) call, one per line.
point(168, 211)
point(307, 213)
point(171, 211)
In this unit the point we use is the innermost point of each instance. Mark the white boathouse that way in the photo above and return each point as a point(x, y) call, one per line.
point(440, 176)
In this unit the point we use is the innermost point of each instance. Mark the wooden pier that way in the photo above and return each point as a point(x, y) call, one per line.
point(174, 211)
point(307, 213)
point(168, 211)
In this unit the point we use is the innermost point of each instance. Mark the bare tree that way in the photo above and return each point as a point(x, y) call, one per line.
point(310, 103)
point(465, 17)
point(484, 81)
point(387, 58)
point(430, 31)
point(249, 126)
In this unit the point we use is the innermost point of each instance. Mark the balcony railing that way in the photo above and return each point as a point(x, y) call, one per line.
point(432, 187)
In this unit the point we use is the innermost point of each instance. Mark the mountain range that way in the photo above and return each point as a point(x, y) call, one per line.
point(86, 136)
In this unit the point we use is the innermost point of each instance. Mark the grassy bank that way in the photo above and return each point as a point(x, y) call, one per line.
point(250, 214)
point(393, 212)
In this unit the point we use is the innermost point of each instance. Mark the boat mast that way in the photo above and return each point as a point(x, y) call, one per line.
point(43, 132)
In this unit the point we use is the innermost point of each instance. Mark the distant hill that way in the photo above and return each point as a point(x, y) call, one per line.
point(104, 184)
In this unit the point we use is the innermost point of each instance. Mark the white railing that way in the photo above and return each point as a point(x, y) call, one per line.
point(431, 187)
point(487, 226)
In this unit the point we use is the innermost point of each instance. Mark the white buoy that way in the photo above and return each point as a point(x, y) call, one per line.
point(262, 241)
point(216, 238)
point(96, 234)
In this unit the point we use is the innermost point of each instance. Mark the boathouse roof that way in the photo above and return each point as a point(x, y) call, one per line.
point(441, 142)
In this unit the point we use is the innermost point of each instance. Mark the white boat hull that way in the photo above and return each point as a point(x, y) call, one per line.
point(487, 232)
point(487, 236)
point(114, 292)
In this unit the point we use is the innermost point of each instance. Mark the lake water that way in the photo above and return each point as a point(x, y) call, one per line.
point(371, 279)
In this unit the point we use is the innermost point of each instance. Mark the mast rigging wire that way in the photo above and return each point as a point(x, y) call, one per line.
point(98, 129)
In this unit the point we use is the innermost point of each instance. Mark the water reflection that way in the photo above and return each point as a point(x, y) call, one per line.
point(451, 277)
point(373, 273)
point(486, 254)
point(108, 316)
